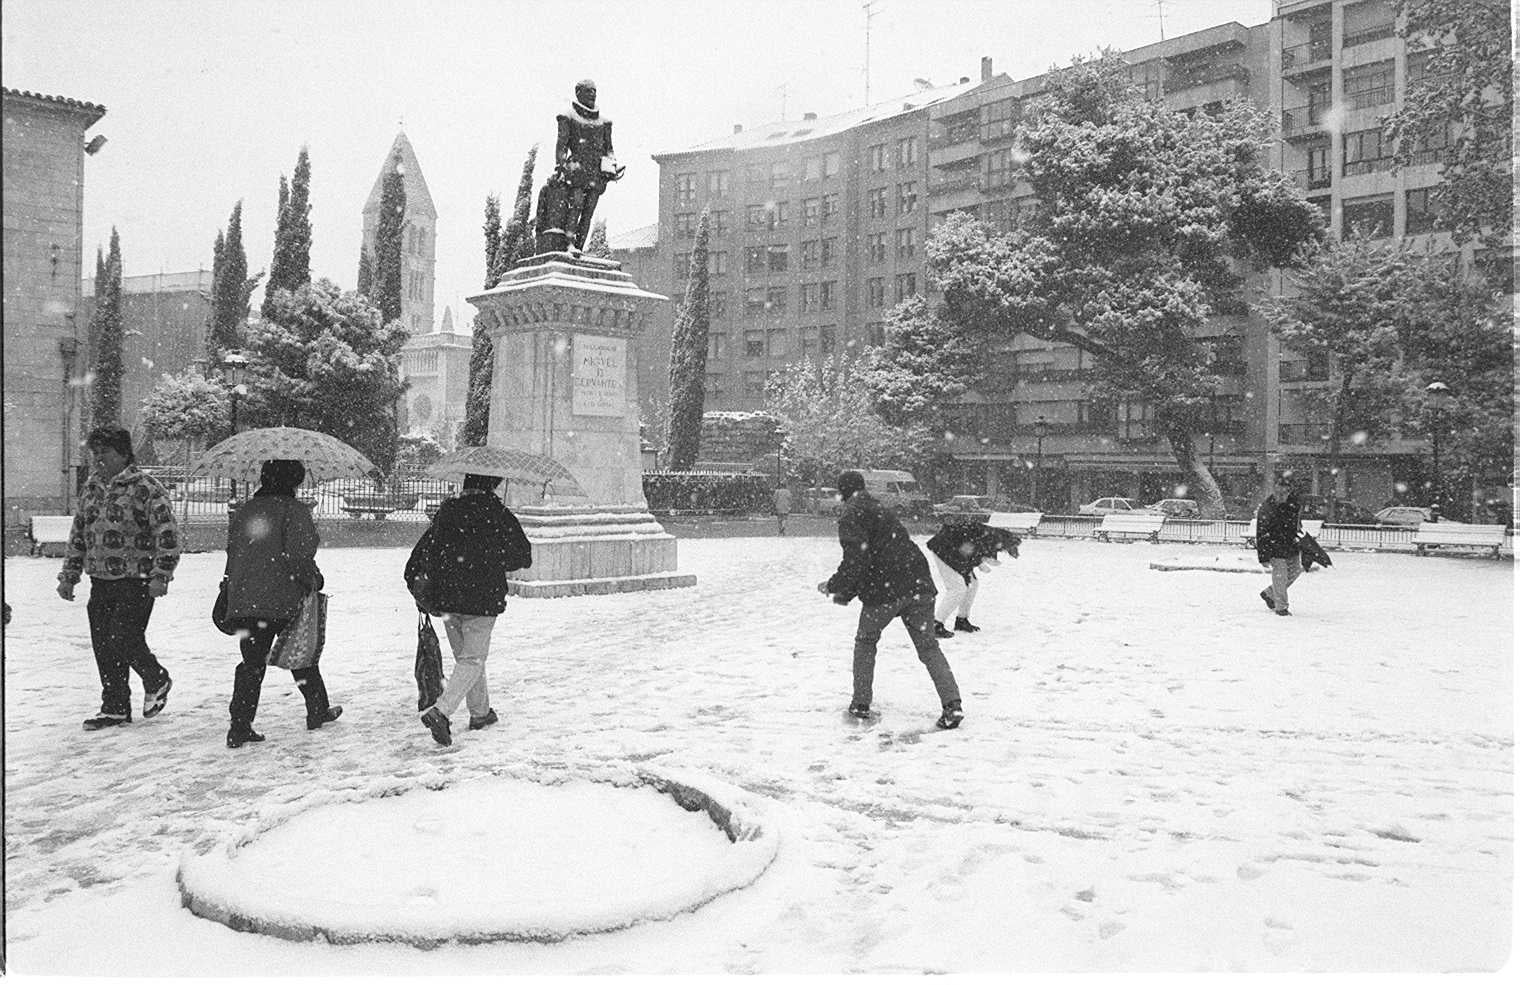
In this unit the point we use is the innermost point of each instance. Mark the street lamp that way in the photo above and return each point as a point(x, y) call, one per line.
point(1041, 429)
point(234, 368)
point(1437, 398)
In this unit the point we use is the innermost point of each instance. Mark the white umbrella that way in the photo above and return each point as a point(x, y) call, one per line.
point(241, 456)
point(507, 463)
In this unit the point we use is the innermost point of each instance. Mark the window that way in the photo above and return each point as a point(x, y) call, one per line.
point(1420, 214)
point(1365, 153)
point(876, 333)
point(812, 168)
point(686, 189)
point(720, 222)
point(830, 164)
point(876, 248)
point(876, 203)
point(686, 225)
point(717, 183)
point(997, 169)
point(754, 383)
point(830, 206)
point(907, 197)
point(781, 175)
point(810, 212)
point(1319, 165)
point(807, 340)
point(717, 346)
point(907, 286)
point(775, 300)
point(809, 258)
point(756, 174)
point(876, 156)
point(827, 291)
point(876, 291)
point(754, 342)
point(905, 243)
point(776, 257)
point(756, 217)
point(778, 214)
point(1147, 78)
point(717, 263)
point(999, 119)
point(1368, 85)
point(828, 252)
point(826, 335)
point(717, 303)
point(754, 301)
point(776, 342)
point(808, 299)
point(754, 259)
point(683, 267)
point(907, 152)
point(715, 384)
point(1372, 216)
point(1431, 148)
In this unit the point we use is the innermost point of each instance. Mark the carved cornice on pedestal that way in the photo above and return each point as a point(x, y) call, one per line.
point(567, 292)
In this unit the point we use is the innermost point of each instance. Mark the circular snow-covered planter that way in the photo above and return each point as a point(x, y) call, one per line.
point(517, 855)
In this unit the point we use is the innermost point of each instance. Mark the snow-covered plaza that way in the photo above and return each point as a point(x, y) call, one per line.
point(1155, 773)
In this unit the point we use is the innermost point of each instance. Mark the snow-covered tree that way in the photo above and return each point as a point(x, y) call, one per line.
point(923, 365)
point(688, 358)
point(231, 289)
point(596, 242)
point(1461, 106)
point(107, 336)
point(493, 239)
point(326, 360)
point(291, 265)
point(517, 240)
point(390, 229)
point(186, 407)
point(1140, 213)
point(417, 451)
point(366, 279)
point(476, 426)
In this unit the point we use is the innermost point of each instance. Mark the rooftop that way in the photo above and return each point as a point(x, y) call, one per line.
point(93, 110)
point(642, 238)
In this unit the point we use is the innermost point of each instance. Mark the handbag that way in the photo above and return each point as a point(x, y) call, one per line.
point(219, 611)
point(300, 644)
point(429, 666)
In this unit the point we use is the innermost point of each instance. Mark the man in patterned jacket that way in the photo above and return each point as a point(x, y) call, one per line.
point(125, 538)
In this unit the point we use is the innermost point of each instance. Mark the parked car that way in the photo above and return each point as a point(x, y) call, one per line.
point(1107, 505)
point(964, 504)
point(1402, 516)
point(1182, 509)
point(821, 501)
point(1318, 508)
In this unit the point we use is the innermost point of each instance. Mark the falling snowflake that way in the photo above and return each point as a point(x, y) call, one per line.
point(1359, 438)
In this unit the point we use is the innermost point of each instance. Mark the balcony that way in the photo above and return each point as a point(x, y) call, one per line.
point(1369, 166)
point(1368, 35)
point(953, 138)
point(949, 184)
point(1043, 374)
point(1303, 57)
point(1304, 121)
point(1367, 98)
point(1204, 75)
point(1302, 434)
point(1313, 179)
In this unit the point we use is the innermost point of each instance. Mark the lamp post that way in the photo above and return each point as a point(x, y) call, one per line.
point(234, 368)
point(1437, 398)
point(1041, 429)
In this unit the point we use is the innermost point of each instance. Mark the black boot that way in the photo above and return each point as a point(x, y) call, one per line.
point(941, 631)
point(247, 681)
point(318, 711)
point(963, 625)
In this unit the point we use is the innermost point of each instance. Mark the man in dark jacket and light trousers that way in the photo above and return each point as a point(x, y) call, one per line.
point(459, 570)
point(888, 573)
point(1277, 531)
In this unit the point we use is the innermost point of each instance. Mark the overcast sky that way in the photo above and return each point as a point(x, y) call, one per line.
point(209, 101)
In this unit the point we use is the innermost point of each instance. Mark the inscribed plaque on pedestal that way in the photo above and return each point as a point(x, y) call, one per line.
point(598, 376)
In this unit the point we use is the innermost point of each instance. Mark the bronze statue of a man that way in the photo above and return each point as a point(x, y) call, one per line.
point(583, 167)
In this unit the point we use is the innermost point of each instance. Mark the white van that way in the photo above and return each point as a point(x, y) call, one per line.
point(897, 490)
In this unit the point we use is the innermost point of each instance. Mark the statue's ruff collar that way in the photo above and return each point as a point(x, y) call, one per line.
point(590, 115)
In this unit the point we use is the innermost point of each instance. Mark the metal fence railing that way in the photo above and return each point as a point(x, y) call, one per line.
point(405, 496)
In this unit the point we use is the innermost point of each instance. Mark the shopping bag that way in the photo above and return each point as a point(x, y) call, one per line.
point(429, 667)
point(219, 611)
point(300, 645)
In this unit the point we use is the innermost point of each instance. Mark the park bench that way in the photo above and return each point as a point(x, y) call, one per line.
point(1310, 527)
point(1023, 524)
point(1489, 536)
point(50, 535)
point(1147, 525)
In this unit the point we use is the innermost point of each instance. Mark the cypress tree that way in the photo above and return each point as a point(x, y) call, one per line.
point(517, 242)
point(477, 399)
point(230, 289)
point(107, 329)
point(688, 359)
point(276, 273)
point(389, 230)
point(596, 243)
point(493, 239)
point(291, 266)
point(366, 274)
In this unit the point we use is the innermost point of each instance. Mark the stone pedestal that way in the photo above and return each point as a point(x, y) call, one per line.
point(564, 384)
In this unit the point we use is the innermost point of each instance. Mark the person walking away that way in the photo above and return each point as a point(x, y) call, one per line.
point(125, 538)
point(783, 504)
point(1277, 532)
point(458, 570)
point(960, 549)
point(883, 568)
point(271, 568)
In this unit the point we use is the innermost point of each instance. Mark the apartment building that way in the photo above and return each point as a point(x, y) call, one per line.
point(819, 228)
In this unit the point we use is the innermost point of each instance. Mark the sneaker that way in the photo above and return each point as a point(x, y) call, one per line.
point(1284, 612)
point(236, 737)
point(154, 701)
point(941, 631)
point(103, 720)
point(963, 625)
point(860, 711)
point(489, 718)
point(317, 721)
point(438, 725)
point(1266, 596)
point(950, 716)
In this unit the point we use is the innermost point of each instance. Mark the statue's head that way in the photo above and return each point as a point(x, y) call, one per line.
point(585, 93)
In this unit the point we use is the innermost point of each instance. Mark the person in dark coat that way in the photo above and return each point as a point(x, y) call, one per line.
point(271, 568)
point(960, 549)
point(885, 570)
point(458, 571)
point(1277, 547)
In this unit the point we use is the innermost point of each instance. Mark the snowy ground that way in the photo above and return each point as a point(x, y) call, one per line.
point(1155, 772)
